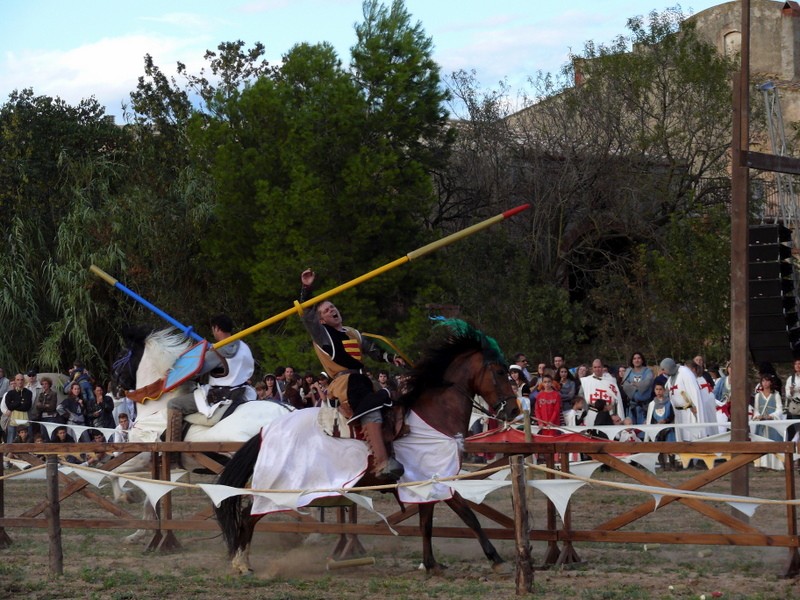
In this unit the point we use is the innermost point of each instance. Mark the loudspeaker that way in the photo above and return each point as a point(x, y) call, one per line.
point(773, 322)
point(765, 270)
point(769, 234)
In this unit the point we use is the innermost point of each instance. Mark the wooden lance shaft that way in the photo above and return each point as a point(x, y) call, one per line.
point(433, 246)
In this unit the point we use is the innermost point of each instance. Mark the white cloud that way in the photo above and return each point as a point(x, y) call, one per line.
point(107, 69)
point(186, 20)
point(513, 47)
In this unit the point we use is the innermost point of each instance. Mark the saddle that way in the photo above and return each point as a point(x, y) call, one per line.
point(335, 421)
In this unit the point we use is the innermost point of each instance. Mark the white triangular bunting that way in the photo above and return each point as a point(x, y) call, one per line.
point(501, 475)
point(19, 464)
point(365, 502)
point(657, 500)
point(362, 501)
point(123, 482)
point(50, 427)
point(651, 431)
point(645, 459)
point(75, 431)
point(177, 475)
point(153, 489)
point(28, 474)
point(747, 508)
point(476, 490)
point(218, 493)
point(558, 491)
point(93, 476)
point(584, 469)
point(107, 433)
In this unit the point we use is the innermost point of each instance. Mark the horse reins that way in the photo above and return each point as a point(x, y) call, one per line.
point(498, 408)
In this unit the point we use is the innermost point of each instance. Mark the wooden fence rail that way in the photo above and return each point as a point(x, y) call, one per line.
point(503, 526)
point(740, 533)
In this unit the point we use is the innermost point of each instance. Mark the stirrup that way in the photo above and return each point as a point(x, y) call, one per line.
point(392, 470)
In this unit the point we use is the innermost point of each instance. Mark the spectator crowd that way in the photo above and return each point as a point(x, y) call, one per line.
point(691, 394)
point(559, 396)
point(39, 408)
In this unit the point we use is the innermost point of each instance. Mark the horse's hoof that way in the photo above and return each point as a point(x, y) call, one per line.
point(134, 538)
point(436, 570)
point(502, 568)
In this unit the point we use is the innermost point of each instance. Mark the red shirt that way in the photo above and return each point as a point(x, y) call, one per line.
point(548, 409)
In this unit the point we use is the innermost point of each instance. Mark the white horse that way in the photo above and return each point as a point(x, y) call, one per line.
point(161, 350)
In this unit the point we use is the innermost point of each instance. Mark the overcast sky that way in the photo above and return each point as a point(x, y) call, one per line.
point(76, 49)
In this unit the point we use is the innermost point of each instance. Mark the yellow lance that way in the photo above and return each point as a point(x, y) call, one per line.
point(433, 246)
point(190, 362)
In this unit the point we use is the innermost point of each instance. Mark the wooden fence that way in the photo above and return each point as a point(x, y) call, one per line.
point(739, 455)
point(560, 539)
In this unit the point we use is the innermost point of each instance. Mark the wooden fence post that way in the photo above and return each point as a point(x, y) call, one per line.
point(5, 541)
point(54, 517)
point(524, 570)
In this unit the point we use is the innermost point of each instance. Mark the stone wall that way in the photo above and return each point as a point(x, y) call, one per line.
point(774, 45)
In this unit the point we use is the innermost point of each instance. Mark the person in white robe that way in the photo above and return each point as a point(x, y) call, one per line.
point(687, 400)
point(601, 386)
point(707, 395)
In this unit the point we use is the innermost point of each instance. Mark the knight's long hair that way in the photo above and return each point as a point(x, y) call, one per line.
point(459, 337)
point(237, 472)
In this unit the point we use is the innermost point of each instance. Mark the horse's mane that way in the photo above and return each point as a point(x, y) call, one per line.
point(161, 348)
point(460, 337)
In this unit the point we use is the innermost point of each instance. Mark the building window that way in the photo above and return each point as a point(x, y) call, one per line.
point(732, 43)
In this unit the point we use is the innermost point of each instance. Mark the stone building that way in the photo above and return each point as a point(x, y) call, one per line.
point(774, 45)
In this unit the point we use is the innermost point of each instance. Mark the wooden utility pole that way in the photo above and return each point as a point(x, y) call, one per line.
point(740, 271)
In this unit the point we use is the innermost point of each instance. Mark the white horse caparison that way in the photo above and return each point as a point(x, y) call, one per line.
point(161, 350)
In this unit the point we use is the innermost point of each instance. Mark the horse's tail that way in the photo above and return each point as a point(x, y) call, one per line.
point(236, 473)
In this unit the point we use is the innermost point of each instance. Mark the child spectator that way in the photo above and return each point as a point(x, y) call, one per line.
point(62, 436)
point(121, 431)
point(547, 410)
point(97, 459)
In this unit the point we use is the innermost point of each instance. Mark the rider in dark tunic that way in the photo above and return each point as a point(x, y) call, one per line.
point(340, 350)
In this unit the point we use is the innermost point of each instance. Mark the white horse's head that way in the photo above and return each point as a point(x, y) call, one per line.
point(161, 350)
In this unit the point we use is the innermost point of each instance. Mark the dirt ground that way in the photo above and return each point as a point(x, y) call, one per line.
point(98, 564)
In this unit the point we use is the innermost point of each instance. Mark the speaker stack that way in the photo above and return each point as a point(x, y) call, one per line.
point(773, 320)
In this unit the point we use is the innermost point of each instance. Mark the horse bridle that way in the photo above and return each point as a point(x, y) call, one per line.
point(497, 408)
point(123, 364)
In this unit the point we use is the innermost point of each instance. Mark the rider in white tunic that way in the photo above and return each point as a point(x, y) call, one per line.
point(227, 385)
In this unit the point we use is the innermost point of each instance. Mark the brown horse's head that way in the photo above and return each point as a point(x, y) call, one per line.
point(493, 385)
point(465, 364)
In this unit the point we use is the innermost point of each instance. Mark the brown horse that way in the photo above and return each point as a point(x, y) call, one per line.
point(442, 387)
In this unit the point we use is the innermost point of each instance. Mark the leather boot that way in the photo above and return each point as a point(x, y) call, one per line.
point(662, 461)
point(173, 434)
point(384, 466)
point(174, 426)
point(673, 463)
